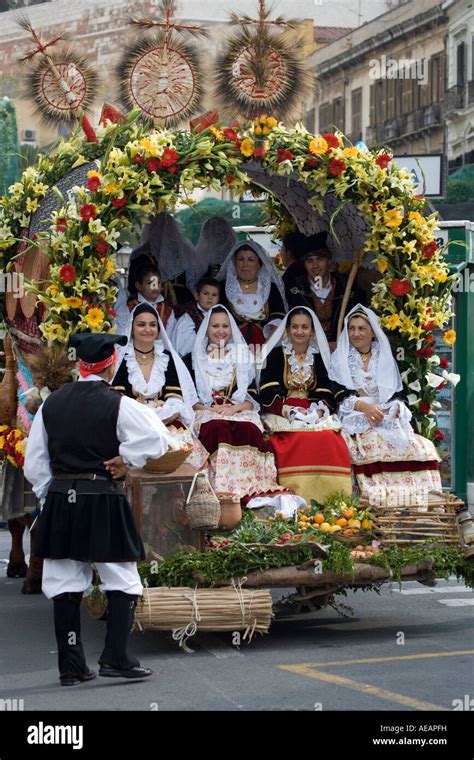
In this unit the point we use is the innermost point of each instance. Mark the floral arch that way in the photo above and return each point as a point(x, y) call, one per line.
point(317, 182)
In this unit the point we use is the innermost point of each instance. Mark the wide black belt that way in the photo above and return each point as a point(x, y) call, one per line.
point(81, 476)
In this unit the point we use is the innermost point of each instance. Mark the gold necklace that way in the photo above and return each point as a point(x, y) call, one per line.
point(146, 362)
point(247, 283)
point(364, 357)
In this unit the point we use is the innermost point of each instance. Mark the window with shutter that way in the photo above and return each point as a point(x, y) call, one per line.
point(356, 113)
point(461, 63)
point(372, 117)
point(338, 113)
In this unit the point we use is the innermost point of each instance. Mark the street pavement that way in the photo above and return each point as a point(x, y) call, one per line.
point(408, 649)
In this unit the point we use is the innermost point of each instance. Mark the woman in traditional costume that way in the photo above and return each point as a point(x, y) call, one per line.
point(388, 457)
point(254, 292)
point(297, 405)
point(227, 413)
point(150, 371)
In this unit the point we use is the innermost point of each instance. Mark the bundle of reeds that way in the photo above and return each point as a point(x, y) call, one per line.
point(186, 610)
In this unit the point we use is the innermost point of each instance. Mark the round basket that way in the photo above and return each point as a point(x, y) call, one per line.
point(96, 605)
point(354, 538)
point(169, 462)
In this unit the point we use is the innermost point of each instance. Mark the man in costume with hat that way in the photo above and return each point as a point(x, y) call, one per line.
point(319, 288)
point(81, 442)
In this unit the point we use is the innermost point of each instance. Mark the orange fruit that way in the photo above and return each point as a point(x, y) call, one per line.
point(349, 513)
point(348, 532)
point(342, 522)
point(319, 518)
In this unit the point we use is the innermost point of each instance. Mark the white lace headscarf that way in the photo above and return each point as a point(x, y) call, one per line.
point(173, 252)
point(238, 360)
point(318, 343)
point(267, 274)
point(388, 376)
point(217, 238)
point(161, 345)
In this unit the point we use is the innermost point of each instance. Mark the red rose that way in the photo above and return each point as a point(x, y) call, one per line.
point(284, 155)
point(230, 134)
point(169, 157)
point(311, 162)
point(101, 245)
point(138, 159)
point(93, 184)
point(173, 169)
point(429, 250)
point(67, 273)
point(383, 159)
point(229, 180)
point(111, 311)
point(336, 167)
point(439, 435)
point(331, 140)
point(154, 164)
point(88, 211)
point(425, 352)
point(428, 326)
point(429, 340)
point(443, 363)
point(425, 408)
point(259, 151)
point(400, 287)
point(61, 224)
point(119, 202)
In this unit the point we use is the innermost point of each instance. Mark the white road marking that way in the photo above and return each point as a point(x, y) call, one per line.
point(457, 602)
point(436, 590)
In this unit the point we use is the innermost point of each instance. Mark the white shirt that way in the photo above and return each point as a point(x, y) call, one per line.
point(321, 293)
point(140, 432)
point(185, 333)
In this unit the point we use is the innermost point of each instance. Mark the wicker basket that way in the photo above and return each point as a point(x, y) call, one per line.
point(202, 508)
point(8, 386)
point(169, 462)
point(353, 539)
point(96, 605)
point(432, 520)
point(231, 511)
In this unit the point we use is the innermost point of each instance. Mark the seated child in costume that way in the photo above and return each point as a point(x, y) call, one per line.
point(147, 282)
point(190, 316)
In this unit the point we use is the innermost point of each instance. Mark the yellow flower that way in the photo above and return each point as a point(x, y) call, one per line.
point(350, 152)
point(393, 321)
point(40, 189)
point(272, 122)
point(258, 130)
point(93, 173)
point(450, 337)
point(265, 131)
point(151, 150)
point(317, 146)
point(382, 266)
point(345, 266)
point(416, 217)
point(109, 269)
point(52, 331)
point(73, 302)
point(31, 205)
point(393, 217)
point(53, 290)
point(439, 276)
point(110, 188)
point(95, 317)
point(218, 134)
point(247, 147)
point(263, 120)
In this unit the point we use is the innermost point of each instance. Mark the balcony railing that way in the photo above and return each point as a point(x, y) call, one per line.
point(404, 125)
point(455, 98)
point(470, 92)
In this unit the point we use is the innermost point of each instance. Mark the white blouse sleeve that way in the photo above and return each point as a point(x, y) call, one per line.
point(37, 467)
point(171, 328)
point(184, 335)
point(140, 432)
point(347, 405)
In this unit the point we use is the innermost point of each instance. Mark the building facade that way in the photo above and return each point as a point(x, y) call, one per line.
point(459, 102)
point(384, 83)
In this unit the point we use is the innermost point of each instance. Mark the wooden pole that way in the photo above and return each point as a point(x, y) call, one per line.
point(358, 257)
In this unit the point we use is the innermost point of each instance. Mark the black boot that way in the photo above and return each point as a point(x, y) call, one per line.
point(115, 662)
point(67, 627)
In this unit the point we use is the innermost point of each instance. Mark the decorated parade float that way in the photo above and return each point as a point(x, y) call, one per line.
point(61, 226)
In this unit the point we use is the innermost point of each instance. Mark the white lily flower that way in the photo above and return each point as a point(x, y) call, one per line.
point(415, 386)
point(433, 380)
point(405, 374)
point(412, 399)
point(434, 360)
point(451, 377)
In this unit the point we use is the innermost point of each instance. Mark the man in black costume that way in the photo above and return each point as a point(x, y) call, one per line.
point(81, 442)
